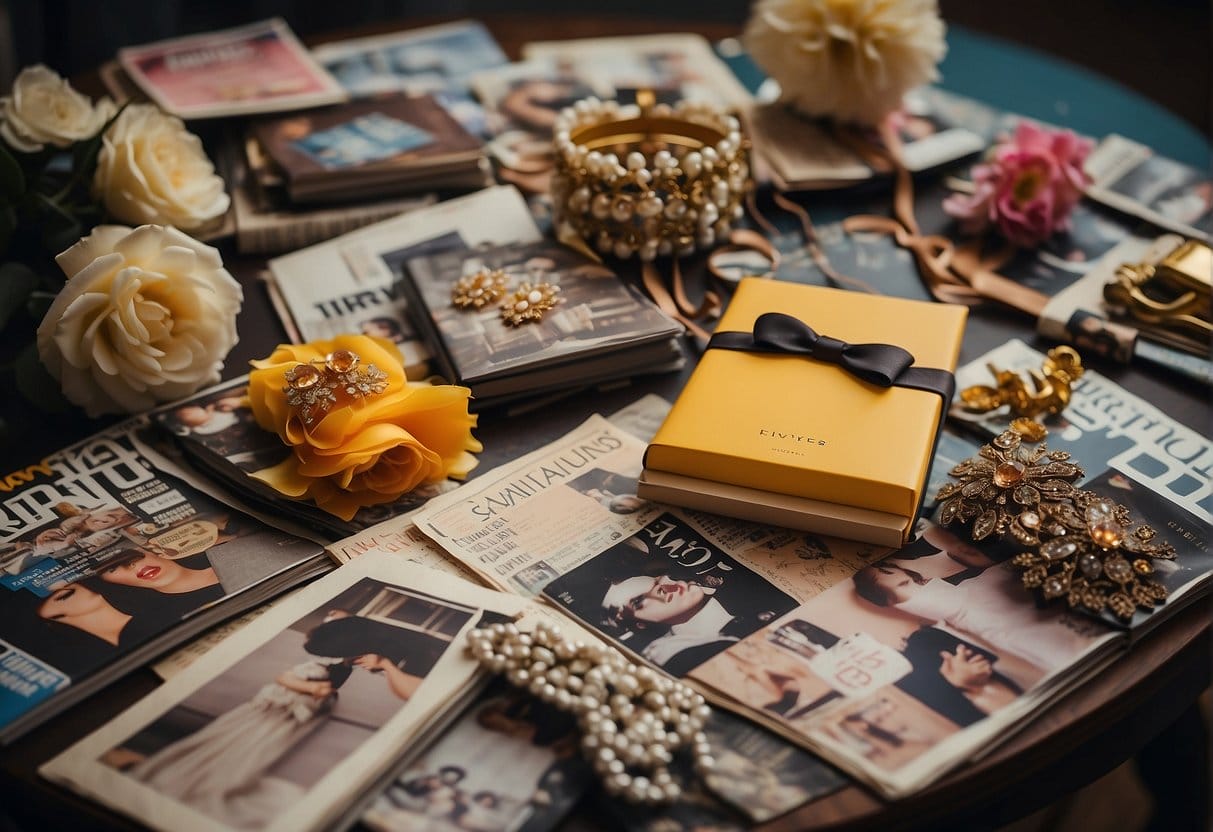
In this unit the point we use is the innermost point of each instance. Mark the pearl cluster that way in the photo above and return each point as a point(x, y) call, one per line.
point(649, 197)
point(632, 718)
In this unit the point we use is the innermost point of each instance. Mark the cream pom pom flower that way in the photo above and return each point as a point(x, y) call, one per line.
point(153, 170)
point(147, 316)
point(851, 60)
point(43, 109)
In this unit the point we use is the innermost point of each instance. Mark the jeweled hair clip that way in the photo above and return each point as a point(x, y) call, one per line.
point(312, 388)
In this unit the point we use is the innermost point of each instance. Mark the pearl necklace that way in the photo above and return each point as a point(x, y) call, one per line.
point(632, 718)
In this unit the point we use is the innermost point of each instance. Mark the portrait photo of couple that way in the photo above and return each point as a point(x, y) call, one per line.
point(929, 640)
point(670, 595)
point(251, 742)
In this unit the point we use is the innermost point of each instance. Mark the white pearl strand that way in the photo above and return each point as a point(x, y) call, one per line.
point(632, 718)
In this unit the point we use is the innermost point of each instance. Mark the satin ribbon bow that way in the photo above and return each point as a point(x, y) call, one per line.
point(775, 332)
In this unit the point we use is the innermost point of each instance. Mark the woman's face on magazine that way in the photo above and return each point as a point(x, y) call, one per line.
point(662, 599)
point(70, 601)
point(147, 570)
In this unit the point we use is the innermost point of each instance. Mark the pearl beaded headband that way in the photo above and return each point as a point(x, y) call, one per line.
point(649, 179)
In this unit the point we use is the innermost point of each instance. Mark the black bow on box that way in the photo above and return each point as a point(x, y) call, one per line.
point(884, 365)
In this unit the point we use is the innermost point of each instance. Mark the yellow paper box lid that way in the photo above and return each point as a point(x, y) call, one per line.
point(795, 425)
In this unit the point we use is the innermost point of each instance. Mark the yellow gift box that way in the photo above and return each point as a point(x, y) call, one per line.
point(788, 427)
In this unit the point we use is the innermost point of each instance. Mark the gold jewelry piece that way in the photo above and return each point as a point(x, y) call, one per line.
point(1169, 297)
point(649, 179)
point(1052, 385)
point(478, 290)
point(1002, 488)
point(529, 302)
point(633, 719)
point(312, 387)
point(1088, 550)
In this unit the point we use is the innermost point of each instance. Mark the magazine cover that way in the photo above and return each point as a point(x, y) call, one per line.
point(285, 724)
point(331, 288)
point(259, 68)
point(102, 553)
point(597, 312)
point(1106, 426)
point(437, 60)
point(509, 764)
point(911, 666)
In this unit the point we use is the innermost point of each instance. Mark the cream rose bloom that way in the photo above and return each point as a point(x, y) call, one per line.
point(852, 60)
point(44, 109)
point(147, 316)
point(152, 170)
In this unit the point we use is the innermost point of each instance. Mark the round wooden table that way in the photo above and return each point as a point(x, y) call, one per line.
point(1142, 702)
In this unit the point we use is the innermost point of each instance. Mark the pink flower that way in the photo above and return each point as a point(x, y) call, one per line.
point(1027, 188)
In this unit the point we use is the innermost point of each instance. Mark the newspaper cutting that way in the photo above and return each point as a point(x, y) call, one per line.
point(286, 724)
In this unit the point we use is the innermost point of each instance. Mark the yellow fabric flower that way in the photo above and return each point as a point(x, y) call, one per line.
point(362, 451)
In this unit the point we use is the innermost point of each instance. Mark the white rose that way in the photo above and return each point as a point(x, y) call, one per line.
point(152, 170)
point(147, 316)
point(44, 109)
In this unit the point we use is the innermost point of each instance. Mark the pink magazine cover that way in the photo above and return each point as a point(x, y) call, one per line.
point(258, 68)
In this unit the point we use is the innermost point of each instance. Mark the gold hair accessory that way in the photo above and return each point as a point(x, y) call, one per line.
point(1003, 488)
point(1051, 387)
point(1170, 297)
point(312, 387)
point(648, 179)
point(478, 290)
point(529, 302)
point(1089, 550)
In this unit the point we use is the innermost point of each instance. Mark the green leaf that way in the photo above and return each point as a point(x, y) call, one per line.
point(60, 229)
point(12, 180)
point(85, 152)
point(17, 281)
point(36, 384)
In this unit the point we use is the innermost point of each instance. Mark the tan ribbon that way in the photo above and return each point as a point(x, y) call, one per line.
point(952, 274)
point(681, 309)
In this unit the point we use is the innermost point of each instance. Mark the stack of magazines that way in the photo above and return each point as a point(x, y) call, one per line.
point(375, 147)
point(600, 330)
point(217, 434)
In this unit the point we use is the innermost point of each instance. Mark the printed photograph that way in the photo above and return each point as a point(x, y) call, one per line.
point(670, 595)
point(1177, 192)
point(510, 763)
point(614, 492)
point(424, 60)
point(939, 621)
point(248, 744)
point(760, 773)
point(889, 728)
